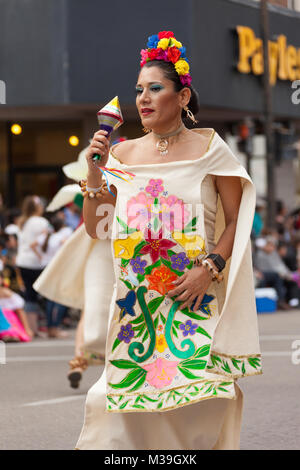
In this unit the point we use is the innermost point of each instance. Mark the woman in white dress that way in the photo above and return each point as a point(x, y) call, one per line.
point(180, 333)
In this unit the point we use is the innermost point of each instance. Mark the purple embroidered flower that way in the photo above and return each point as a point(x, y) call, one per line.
point(126, 333)
point(162, 55)
point(188, 328)
point(186, 79)
point(154, 187)
point(138, 265)
point(179, 261)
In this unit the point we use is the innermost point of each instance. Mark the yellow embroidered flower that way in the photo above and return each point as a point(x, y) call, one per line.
point(182, 67)
point(163, 43)
point(124, 248)
point(161, 343)
point(174, 42)
point(194, 245)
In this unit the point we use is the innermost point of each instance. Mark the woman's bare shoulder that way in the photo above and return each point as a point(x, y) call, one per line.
point(124, 150)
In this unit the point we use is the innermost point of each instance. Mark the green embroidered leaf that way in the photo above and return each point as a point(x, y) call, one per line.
point(138, 248)
point(138, 406)
point(129, 379)
point(243, 368)
point(188, 374)
point(224, 384)
point(145, 336)
point(202, 351)
point(156, 204)
point(236, 362)
point(162, 318)
point(116, 343)
point(223, 389)
point(193, 364)
point(124, 404)
point(125, 364)
point(226, 367)
point(168, 264)
point(148, 269)
point(111, 400)
point(159, 405)
point(190, 265)
point(121, 398)
point(193, 315)
point(150, 399)
point(155, 303)
point(139, 319)
point(177, 323)
point(254, 362)
point(140, 277)
point(127, 284)
point(174, 332)
point(139, 383)
point(109, 407)
point(209, 389)
point(215, 359)
point(202, 332)
point(155, 224)
point(190, 226)
point(171, 253)
point(141, 331)
point(124, 262)
point(125, 226)
point(156, 320)
point(215, 392)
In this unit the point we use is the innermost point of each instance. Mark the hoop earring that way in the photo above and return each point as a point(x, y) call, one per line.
point(190, 115)
point(146, 131)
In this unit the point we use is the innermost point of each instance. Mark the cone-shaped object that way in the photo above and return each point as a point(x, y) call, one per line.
point(110, 117)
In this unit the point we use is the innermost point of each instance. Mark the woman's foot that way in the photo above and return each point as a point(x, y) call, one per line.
point(56, 333)
point(77, 366)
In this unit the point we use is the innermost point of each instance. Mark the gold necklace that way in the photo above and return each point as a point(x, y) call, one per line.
point(163, 142)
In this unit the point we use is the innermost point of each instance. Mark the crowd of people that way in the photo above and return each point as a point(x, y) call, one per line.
point(276, 254)
point(30, 238)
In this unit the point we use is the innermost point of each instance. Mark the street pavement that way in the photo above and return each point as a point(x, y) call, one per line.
point(39, 411)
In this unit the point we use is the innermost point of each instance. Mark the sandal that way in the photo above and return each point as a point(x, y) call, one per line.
point(77, 365)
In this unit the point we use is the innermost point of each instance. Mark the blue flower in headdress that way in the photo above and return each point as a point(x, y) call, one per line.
point(183, 52)
point(126, 304)
point(153, 41)
point(204, 306)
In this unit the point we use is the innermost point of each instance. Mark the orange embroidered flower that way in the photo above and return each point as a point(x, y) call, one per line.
point(161, 279)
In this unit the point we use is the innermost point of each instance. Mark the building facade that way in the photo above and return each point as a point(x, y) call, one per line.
point(68, 58)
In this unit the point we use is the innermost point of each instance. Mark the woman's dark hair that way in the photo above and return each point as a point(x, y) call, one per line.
point(171, 74)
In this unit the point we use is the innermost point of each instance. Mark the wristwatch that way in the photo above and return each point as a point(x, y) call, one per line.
point(218, 261)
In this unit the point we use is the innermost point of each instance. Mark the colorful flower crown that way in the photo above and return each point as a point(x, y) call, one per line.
point(164, 46)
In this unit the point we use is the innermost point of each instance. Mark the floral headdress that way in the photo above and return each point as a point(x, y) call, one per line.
point(164, 46)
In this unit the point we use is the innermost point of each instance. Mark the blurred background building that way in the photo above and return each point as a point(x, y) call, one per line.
point(62, 60)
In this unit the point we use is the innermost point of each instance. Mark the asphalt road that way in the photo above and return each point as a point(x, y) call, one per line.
point(39, 410)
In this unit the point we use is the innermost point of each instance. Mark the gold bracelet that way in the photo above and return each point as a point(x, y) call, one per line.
point(215, 275)
point(96, 193)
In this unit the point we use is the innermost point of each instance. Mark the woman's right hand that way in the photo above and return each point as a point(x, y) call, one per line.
point(99, 145)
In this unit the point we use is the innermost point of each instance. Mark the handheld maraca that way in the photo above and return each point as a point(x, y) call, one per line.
point(109, 118)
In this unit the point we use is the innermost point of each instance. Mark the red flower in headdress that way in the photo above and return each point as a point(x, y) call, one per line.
point(152, 54)
point(173, 54)
point(166, 34)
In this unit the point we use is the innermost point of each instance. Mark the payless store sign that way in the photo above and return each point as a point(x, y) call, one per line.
point(284, 59)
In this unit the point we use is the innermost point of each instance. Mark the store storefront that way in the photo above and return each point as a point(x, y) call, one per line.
point(67, 61)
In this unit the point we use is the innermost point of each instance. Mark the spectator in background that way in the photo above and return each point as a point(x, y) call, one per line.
point(29, 258)
point(2, 215)
point(258, 222)
point(272, 271)
point(50, 244)
point(72, 215)
point(12, 227)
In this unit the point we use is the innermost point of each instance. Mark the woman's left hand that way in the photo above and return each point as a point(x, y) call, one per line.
point(193, 283)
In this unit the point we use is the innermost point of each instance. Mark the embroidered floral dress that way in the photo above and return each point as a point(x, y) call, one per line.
point(156, 352)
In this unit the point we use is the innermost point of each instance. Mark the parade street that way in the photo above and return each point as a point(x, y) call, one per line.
point(40, 411)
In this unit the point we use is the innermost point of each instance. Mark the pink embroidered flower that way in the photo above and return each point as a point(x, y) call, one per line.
point(173, 213)
point(161, 372)
point(154, 187)
point(139, 211)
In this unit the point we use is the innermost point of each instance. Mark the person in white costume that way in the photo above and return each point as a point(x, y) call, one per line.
point(182, 317)
point(73, 278)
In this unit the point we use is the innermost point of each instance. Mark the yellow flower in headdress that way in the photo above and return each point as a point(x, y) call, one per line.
point(174, 42)
point(182, 67)
point(124, 248)
point(194, 245)
point(163, 43)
